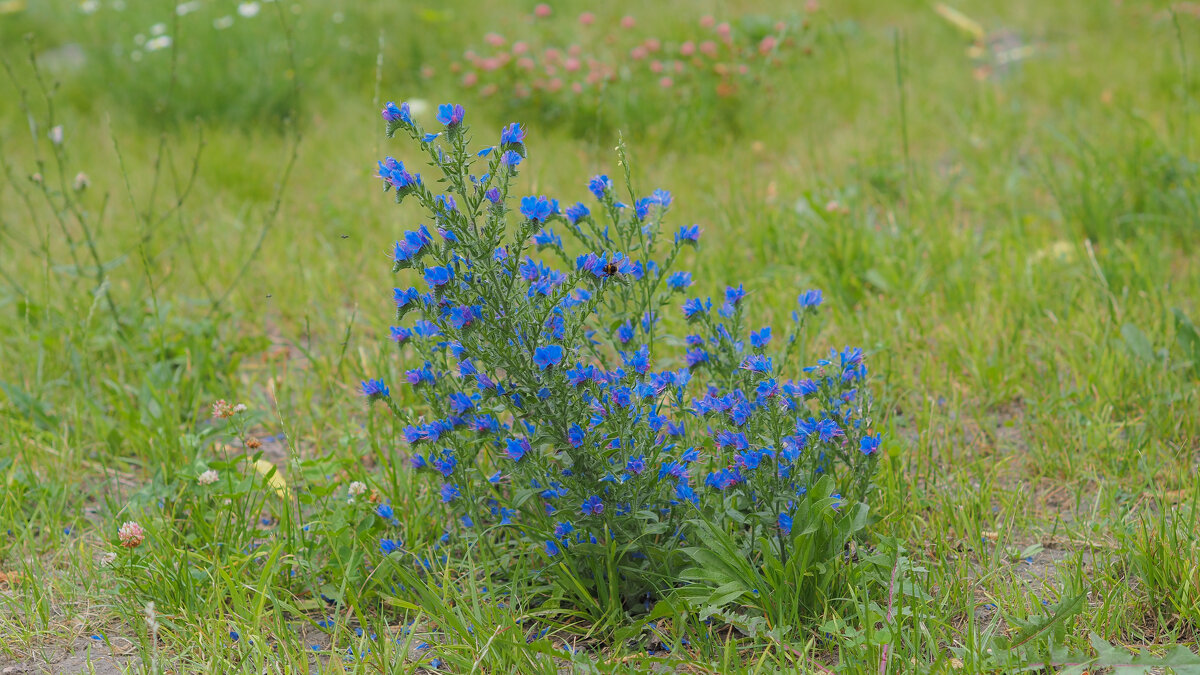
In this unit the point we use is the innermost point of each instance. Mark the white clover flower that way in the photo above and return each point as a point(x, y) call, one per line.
point(208, 477)
point(89, 6)
point(160, 42)
point(135, 56)
point(118, 5)
point(338, 17)
point(82, 181)
point(139, 39)
point(56, 135)
point(223, 22)
point(357, 488)
point(185, 8)
point(249, 9)
point(158, 29)
point(239, 408)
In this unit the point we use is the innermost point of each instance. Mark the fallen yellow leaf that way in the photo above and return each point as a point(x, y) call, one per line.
point(268, 471)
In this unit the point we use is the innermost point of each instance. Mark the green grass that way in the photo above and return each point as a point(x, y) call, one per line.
point(1016, 255)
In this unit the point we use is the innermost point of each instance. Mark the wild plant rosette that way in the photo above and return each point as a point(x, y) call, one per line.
point(559, 412)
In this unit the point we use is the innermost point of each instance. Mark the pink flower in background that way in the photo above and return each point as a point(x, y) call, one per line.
point(687, 49)
point(494, 39)
point(470, 79)
point(427, 72)
point(708, 48)
point(525, 63)
point(577, 88)
point(652, 44)
point(542, 11)
point(638, 53)
point(490, 64)
point(628, 22)
point(707, 21)
point(549, 70)
point(488, 90)
point(767, 44)
point(656, 66)
point(779, 26)
point(679, 66)
point(571, 65)
point(574, 50)
point(594, 77)
point(743, 69)
point(587, 18)
point(666, 83)
point(552, 55)
point(455, 67)
point(724, 30)
point(554, 84)
point(519, 48)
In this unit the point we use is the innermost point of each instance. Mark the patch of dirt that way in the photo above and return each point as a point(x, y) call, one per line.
point(85, 655)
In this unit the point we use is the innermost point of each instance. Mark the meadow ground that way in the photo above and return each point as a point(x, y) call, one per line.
point(1006, 221)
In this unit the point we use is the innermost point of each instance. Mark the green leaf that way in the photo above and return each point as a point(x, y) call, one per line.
point(1188, 337)
point(1137, 342)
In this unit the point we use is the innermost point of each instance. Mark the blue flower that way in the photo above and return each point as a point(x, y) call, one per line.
point(512, 137)
point(450, 492)
point(641, 208)
point(811, 298)
point(438, 276)
point(760, 339)
point(387, 546)
point(493, 196)
point(688, 234)
point(733, 296)
point(400, 334)
point(600, 186)
point(385, 511)
point(574, 213)
point(536, 208)
point(679, 281)
point(638, 360)
point(466, 521)
point(636, 465)
point(392, 113)
point(869, 444)
point(425, 329)
point(592, 506)
point(785, 524)
point(550, 355)
point(395, 176)
point(661, 197)
point(551, 548)
point(625, 332)
point(694, 308)
point(450, 114)
point(375, 389)
point(516, 448)
point(575, 436)
point(547, 237)
point(695, 357)
point(445, 463)
point(510, 159)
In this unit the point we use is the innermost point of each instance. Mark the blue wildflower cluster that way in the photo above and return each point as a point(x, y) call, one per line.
point(544, 395)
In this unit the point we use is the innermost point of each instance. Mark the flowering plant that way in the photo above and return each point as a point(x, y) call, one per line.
point(554, 405)
point(586, 73)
